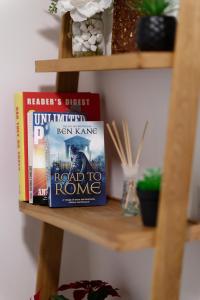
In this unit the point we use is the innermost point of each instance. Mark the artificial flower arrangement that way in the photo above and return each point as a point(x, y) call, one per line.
point(87, 24)
point(80, 10)
point(93, 290)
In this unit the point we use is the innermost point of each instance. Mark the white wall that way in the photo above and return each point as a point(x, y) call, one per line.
point(27, 33)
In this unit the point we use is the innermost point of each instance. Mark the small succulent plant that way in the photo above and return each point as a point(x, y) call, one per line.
point(152, 7)
point(151, 180)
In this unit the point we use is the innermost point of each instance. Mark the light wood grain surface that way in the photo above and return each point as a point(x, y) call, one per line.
point(138, 60)
point(172, 225)
point(49, 260)
point(104, 225)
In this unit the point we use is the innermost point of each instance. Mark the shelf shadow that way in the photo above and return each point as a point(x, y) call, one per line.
point(75, 260)
point(75, 256)
point(51, 34)
point(31, 235)
point(47, 88)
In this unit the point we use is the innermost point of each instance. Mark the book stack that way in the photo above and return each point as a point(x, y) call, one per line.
point(60, 141)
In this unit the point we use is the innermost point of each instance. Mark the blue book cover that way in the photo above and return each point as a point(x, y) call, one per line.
point(76, 162)
point(37, 150)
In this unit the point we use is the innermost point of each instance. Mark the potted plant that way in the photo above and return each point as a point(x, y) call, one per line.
point(155, 30)
point(148, 189)
point(93, 290)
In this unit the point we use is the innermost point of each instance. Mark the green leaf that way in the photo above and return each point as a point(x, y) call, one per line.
point(151, 180)
point(151, 7)
point(59, 297)
point(103, 292)
point(53, 7)
point(93, 296)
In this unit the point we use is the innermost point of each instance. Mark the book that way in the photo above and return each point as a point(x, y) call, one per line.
point(76, 164)
point(37, 151)
point(49, 102)
point(20, 149)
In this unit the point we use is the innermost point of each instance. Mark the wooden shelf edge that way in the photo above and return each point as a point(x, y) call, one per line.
point(67, 219)
point(139, 60)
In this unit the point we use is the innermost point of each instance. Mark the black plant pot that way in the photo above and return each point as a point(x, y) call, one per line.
point(156, 33)
point(149, 206)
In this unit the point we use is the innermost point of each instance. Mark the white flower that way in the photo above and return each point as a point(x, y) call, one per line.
point(81, 10)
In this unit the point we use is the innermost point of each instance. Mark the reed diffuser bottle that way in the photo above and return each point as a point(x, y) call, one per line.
point(129, 201)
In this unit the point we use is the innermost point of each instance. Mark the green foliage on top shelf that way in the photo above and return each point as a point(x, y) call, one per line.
point(151, 180)
point(53, 7)
point(152, 7)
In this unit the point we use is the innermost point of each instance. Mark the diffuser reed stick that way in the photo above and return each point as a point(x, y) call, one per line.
point(115, 143)
point(125, 154)
point(119, 141)
point(140, 147)
point(129, 144)
point(126, 140)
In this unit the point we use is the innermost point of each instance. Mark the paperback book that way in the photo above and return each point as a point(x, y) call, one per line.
point(76, 164)
point(37, 151)
point(86, 103)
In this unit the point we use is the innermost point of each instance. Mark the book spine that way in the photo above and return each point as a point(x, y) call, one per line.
point(30, 154)
point(20, 144)
point(48, 170)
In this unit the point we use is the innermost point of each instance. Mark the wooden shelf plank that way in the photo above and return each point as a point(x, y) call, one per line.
point(141, 60)
point(104, 225)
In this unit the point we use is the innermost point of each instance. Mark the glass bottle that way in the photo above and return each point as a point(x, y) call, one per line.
point(130, 202)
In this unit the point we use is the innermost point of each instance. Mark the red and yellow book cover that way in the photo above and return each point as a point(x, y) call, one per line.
point(25, 102)
point(39, 172)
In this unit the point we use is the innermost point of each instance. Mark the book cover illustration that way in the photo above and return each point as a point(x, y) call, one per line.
point(40, 128)
point(76, 162)
point(86, 103)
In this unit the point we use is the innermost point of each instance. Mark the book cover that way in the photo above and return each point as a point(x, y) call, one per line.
point(49, 102)
point(76, 164)
point(37, 151)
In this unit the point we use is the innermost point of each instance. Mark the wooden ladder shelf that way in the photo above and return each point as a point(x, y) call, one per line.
point(172, 231)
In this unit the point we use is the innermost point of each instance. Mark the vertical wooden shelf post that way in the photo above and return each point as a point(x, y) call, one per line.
point(52, 237)
point(49, 260)
point(179, 153)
